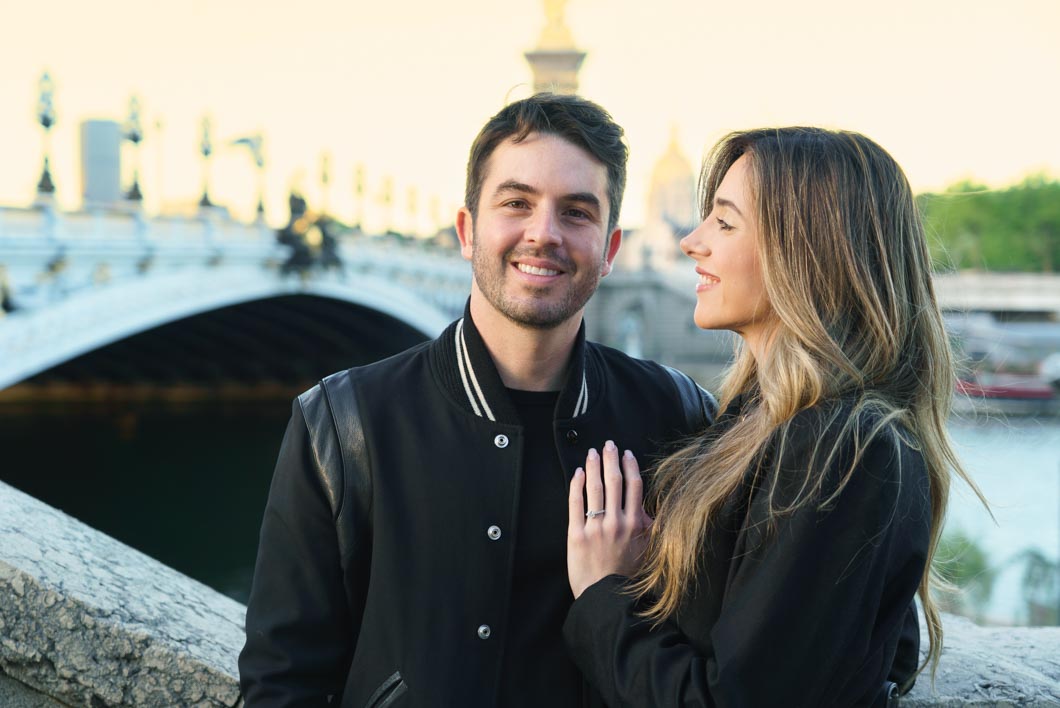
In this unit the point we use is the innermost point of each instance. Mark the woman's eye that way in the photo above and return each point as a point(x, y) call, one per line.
point(724, 225)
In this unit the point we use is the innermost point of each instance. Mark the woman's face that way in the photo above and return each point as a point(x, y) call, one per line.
point(731, 293)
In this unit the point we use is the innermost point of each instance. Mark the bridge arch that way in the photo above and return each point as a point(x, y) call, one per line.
point(104, 315)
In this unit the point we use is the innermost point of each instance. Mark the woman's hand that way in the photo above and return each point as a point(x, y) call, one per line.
point(608, 538)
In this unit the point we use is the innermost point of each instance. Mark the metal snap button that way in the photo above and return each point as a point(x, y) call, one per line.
point(484, 631)
point(501, 441)
point(494, 532)
point(572, 436)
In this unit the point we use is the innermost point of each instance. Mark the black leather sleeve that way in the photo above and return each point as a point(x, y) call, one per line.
point(299, 632)
point(332, 415)
point(701, 408)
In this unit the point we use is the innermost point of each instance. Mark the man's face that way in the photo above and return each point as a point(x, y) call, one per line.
point(540, 244)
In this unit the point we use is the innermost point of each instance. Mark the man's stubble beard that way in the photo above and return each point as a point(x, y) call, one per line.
point(532, 312)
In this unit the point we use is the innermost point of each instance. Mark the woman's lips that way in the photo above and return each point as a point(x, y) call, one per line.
point(706, 280)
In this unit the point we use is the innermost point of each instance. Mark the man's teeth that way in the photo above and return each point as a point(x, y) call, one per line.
point(532, 270)
point(708, 280)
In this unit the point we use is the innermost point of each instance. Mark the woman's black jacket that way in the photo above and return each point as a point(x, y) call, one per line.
point(814, 612)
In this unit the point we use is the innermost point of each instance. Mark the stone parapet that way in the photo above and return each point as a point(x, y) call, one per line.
point(991, 666)
point(88, 621)
point(91, 622)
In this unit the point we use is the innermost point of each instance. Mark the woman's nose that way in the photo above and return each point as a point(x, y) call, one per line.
point(695, 243)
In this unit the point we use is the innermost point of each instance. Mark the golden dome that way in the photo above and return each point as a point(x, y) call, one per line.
point(672, 193)
point(673, 166)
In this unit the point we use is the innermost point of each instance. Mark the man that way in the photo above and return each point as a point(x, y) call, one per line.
point(413, 548)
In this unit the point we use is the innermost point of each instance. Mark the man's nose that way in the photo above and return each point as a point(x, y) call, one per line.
point(544, 226)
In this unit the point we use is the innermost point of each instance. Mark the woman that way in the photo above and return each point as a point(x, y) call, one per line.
point(789, 541)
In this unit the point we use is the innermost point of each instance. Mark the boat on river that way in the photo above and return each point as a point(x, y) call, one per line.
point(1006, 367)
point(1006, 394)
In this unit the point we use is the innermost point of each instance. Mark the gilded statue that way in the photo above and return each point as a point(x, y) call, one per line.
point(556, 34)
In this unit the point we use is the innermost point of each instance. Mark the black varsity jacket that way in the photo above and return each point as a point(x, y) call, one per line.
point(393, 591)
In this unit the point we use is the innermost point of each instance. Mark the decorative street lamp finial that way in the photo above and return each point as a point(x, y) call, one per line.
point(46, 117)
point(134, 133)
point(206, 149)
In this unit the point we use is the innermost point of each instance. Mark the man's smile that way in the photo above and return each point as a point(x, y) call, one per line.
point(536, 270)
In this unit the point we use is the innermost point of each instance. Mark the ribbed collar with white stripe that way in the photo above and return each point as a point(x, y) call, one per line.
point(464, 366)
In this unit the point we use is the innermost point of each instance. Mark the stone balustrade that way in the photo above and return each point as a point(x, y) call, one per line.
point(88, 621)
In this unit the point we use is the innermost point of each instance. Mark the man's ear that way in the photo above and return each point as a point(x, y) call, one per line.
point(613, 245)
point(465, 231)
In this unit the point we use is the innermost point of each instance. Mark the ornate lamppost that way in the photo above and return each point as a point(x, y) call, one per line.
point(358, 187)
point(256, 143)
point(387, 199)
point(412, 201)
point(206, 149)
point(46, 117)
point(325, 182)
point(134, 133)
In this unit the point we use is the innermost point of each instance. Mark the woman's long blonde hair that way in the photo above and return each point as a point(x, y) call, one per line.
point(847, 273)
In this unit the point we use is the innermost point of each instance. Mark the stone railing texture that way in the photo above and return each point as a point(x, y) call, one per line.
point(91, 622)
point(14, 694)
point(88, 621)
point(991, 666)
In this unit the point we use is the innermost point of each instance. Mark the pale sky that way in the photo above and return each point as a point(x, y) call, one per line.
point(953, 88)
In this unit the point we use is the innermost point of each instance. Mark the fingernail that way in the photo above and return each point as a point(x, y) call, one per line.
point(609, 446)
point(628, 454)
point(593, 454)
point(579, 471)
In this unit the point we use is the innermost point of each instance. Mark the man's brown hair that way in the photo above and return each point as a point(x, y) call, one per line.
point(577, 120)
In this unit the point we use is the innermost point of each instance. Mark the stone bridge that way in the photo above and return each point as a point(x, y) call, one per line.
point(75, 283)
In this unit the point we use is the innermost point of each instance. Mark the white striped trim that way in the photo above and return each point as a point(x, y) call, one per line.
point(582, 404)
point(466, 370)
point(460, 366)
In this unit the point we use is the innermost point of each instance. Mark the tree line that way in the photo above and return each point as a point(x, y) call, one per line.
point(971, 226)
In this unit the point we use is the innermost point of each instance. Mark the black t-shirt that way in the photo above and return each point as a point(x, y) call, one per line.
point(537, 669)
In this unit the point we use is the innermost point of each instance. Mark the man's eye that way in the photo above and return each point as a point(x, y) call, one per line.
point(578, 213)
point(516, 204)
